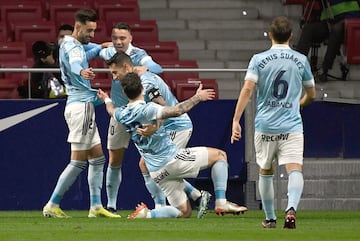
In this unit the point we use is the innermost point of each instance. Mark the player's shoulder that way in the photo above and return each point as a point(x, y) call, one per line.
point(137, 50)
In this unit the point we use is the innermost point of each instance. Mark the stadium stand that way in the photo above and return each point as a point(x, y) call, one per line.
point(12, 51)
point(352, 36)
point(30, 32)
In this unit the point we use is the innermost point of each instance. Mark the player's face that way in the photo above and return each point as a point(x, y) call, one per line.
point(121, 39)
point(86, 32)
point(118, 72)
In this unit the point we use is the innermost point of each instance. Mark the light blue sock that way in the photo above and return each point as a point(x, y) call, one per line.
point(66, 179)
point(95, 180)
point(113, 181)
point(191, 191)
point(295, 188)
point(219, 176)
point(165, 212)
point(266, 190)
point(154, 190)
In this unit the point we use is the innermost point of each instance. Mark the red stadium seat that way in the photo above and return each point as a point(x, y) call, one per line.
point(5, 33)
point(17, 77)
point(124, 2)
point(99, 63)
point(30, 32)
point(101, 33)
point(64, 13)
point(87, 3)
point(352, 36)
point(12, 51)
point(171, 77)
point(161, 51)
point(186, 89)
point(22, 10)
point(8, 90)
point(144, 31)
point(122, 11)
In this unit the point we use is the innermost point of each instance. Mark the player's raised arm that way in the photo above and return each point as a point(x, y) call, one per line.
point(187, 105)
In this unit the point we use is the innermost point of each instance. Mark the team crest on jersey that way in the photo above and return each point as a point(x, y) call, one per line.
point(76, 53)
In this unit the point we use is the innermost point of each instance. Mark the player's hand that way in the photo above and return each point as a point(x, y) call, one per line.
point(205, 94)
point(147, 129)
point(87, 74)
point(102, 95)
point(139, 70)
point(106, 44)
point(236, 132)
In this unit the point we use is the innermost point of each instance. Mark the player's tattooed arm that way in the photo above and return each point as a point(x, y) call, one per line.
point(185, 106)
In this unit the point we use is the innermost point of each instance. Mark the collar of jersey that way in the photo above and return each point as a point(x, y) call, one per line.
point(280, 46)
point(136, 102)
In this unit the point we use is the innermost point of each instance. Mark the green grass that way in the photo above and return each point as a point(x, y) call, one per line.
point(311, 225)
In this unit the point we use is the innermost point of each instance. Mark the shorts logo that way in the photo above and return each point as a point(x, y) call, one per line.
point(161, 176)
point(281, 137)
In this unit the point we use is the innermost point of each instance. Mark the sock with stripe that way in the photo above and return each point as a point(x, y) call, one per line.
point(113, 181)
point(295, 188)
point(95, 180)
point(266, 190)
point(164, 212)
point(66, 179)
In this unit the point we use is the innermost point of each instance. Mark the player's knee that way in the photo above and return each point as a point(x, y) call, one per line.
point(221, 155)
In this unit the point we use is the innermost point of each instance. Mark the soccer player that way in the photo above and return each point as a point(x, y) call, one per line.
point(169, 165)
point(179, 128)
point(80, 117)
point(279, 74)
point(118, 139)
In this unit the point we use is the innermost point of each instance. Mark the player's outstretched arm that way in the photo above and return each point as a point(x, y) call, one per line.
point(187, 105)
point(110, 108)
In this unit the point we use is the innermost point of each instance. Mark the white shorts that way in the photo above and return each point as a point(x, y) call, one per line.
point(180, 138)
point(83, 131)
point(118, 137)
point(186, 164)
point(287, 148)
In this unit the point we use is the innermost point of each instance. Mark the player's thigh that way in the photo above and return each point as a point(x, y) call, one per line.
point(83, 131)
point(265, 150)
point(174, 191)
point(118, 137)
point(180, 138)
point(291, 149)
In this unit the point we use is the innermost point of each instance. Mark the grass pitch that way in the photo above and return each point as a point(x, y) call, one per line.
point(311, 225)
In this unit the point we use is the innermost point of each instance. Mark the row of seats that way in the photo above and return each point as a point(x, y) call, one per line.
point(28, 21)
point(63, 11)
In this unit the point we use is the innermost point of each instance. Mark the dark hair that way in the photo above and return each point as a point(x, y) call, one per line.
point(131, 84)
point(122, 26)
point(85, 15)
point(41, 49)
point(281, 28)
point(119, 59)
point(66, 27)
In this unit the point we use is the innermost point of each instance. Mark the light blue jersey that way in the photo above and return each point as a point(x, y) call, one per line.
point(73, 58)
point(153, 81)
point(280, 74)
point(157, 149)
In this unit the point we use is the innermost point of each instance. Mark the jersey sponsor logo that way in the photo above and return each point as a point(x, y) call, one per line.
point(8, 122)
point(280, 137)
point(164, 173)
